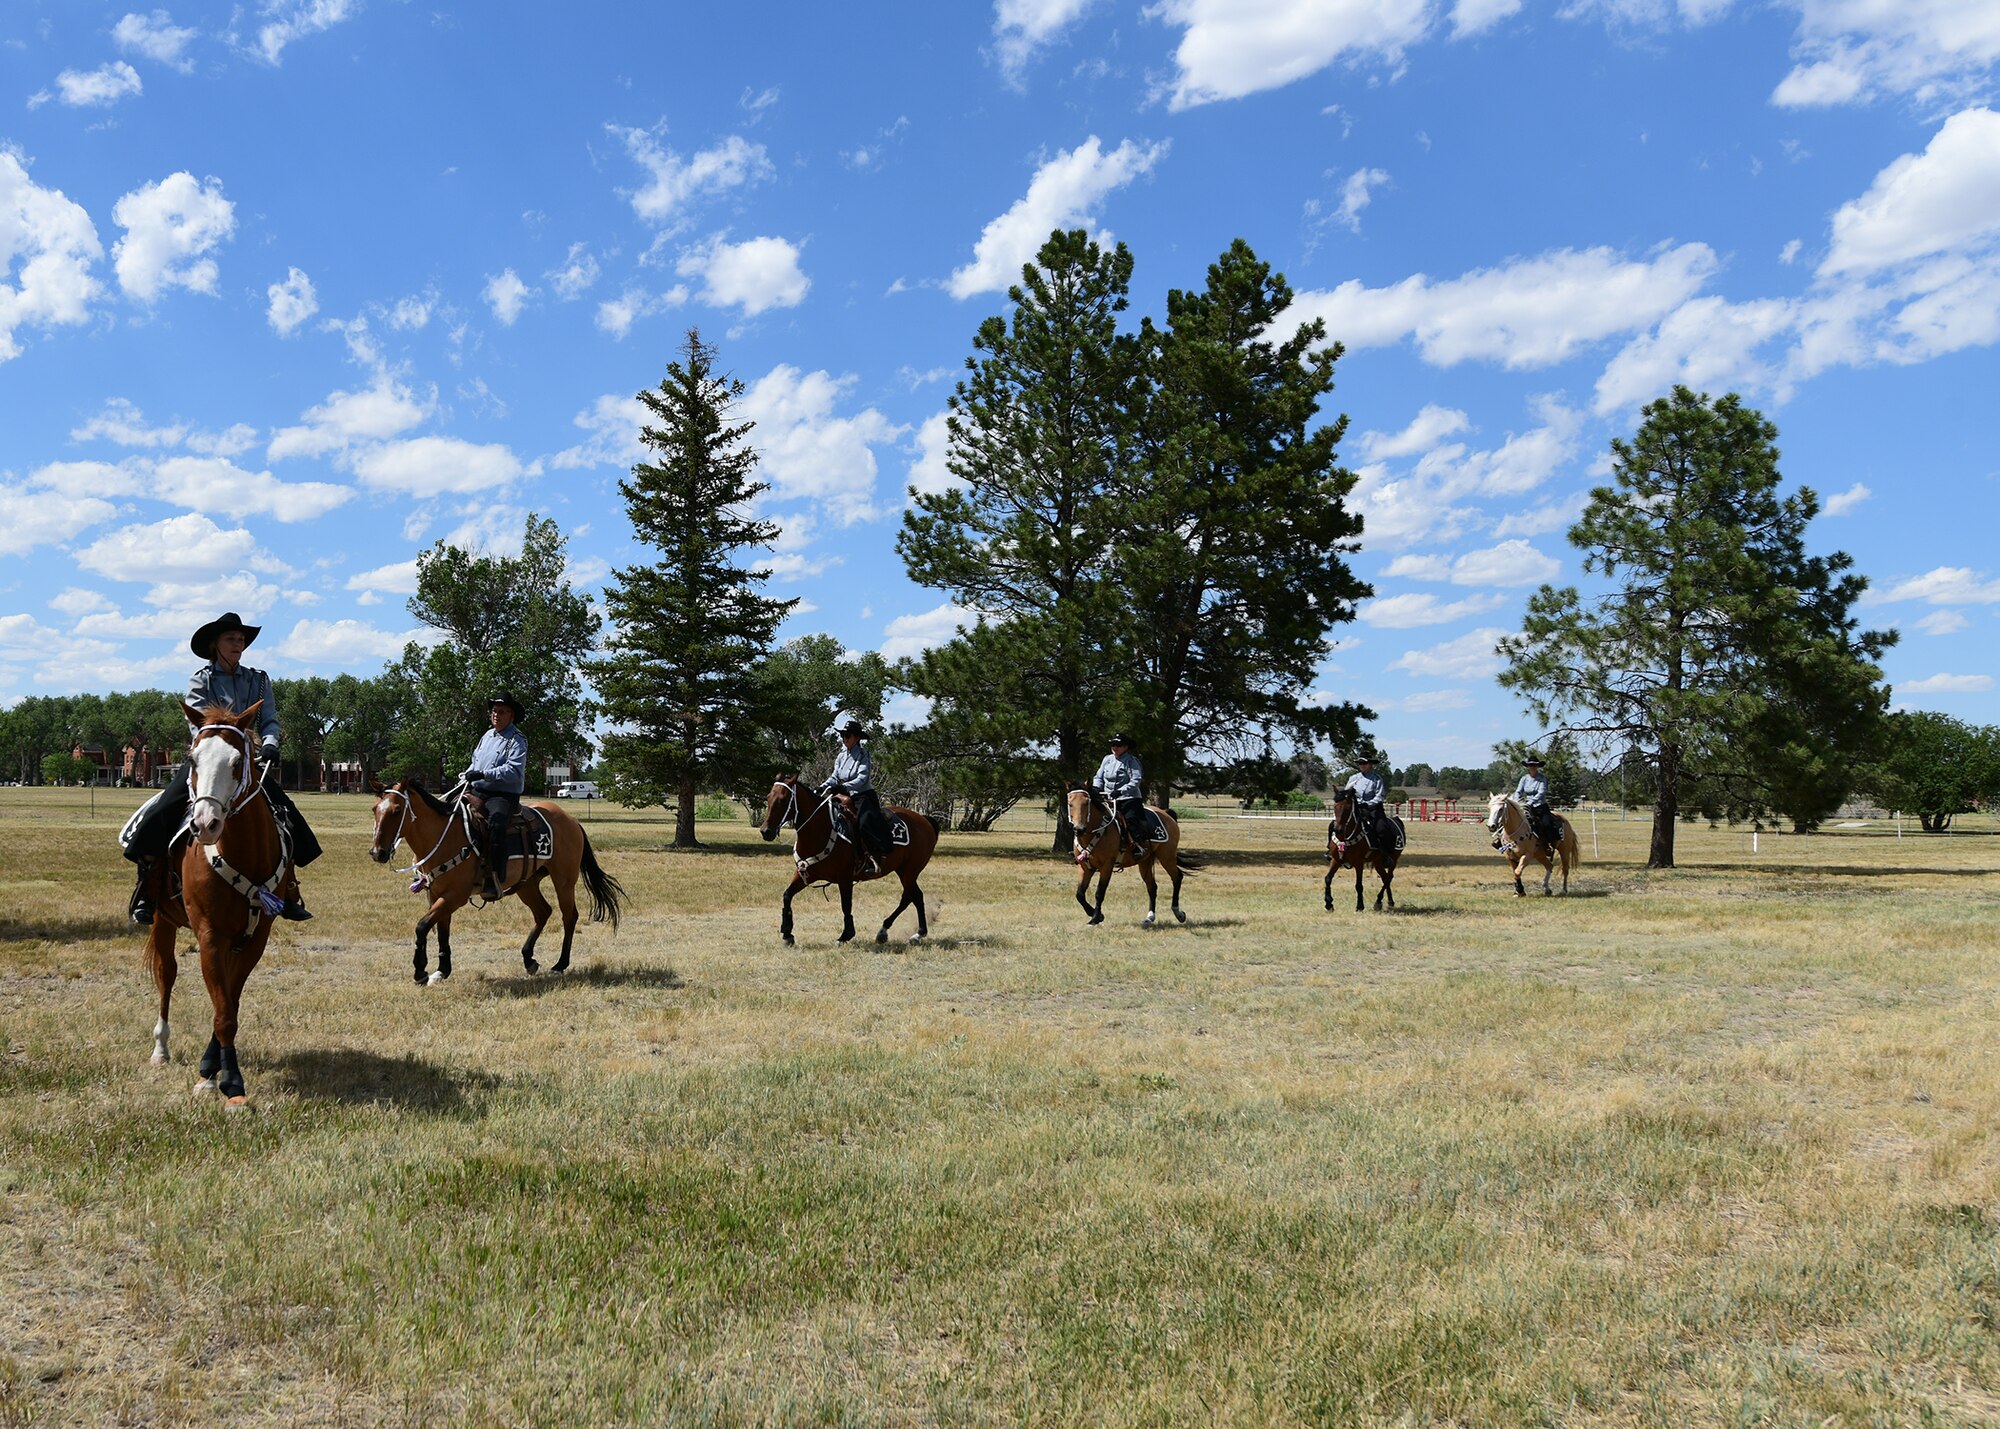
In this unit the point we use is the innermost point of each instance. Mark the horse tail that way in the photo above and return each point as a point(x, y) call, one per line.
point(607, 894)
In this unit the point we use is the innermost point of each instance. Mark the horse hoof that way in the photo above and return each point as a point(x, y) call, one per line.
point(845, 938)
point(435, 978)
point(204, 1086)
point(1179, 917)
point(239, 1102)
point(883, 936)
point(1095, 919)
point(160, 1059)
point(916, 937)
point(1150, 920)
point(789, 941)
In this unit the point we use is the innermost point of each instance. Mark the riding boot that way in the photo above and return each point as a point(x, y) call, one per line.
point(496, 863)
point(141, 908)
point(295, 910)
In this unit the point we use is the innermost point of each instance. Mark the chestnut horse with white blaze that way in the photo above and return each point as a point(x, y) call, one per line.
point(448, 870)
point(821, 855)
point(1507, 821)
point(1348, 846)
point(233, 876)
point(1100, 850)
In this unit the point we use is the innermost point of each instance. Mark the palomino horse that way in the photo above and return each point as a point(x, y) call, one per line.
point(1348, 846)
point(233, 875)
point(1507, 821)
point(819, 855)
point(448, 870)
point(1100, 850)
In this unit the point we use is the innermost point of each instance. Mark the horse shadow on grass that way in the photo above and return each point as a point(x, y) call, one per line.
point(595, 975)
point(85, 928)
point(409, 1083)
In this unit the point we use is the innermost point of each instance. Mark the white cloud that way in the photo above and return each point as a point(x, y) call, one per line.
point(1840, 503)
point(1419, 568)
point(124, 424)
point(1355, 195)
point(55, 244)
point(1020, 27)
point(676, 181)
point(1511, 563)
point(189, 547)
point(295, 20)
point(39, 518)
point(506, 294)
point(1550, 516)
point(1934, 202)
point(1942, 622)
point(1401, 510)
point(1526, 313)
point(910, 635)
point(1432, 425)
point(1945, 585)
point(1946, 685)
point(345, 418)
point(211, 484)
point(790, 566)
point(1230, 48)
point(1519, 464)
point(1063, 194)
point(1432, 700)
point(338, 643)
point(809, 454)
point(413, 313)
point(1470, 657)
point(1473, 17)
point(22, 637)
point(80, 89)
point(238, 438)
point(156, 37)
point(399, 578)
point(1707, 343)
point(616, 315)
point(291, 302)
point(432, 466)
point(613, 422)
point(170, 227)
point(929, 473)
point(576, 275)
point(75, 600)
point(1856, 50)
point(1406, 612)
point(1789, 254)
point(86, 478)
point(755, 275)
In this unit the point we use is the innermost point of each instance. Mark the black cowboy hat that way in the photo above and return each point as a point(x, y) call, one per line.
point(850, 725)
point(1121, 738)
point(1366, 756)
point(503, 698)
point(1534, 761)
point(203, 641)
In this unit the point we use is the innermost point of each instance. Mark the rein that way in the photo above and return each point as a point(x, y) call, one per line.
point(1086, 852)
point(791, 816)
point(456, 813)
point(263, 897)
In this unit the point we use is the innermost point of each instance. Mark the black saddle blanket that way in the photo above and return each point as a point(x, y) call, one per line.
point(529, 836)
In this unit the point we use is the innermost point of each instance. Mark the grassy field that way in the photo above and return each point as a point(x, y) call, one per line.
point(1718, 1146)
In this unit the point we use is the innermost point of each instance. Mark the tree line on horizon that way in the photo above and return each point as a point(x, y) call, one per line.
point(1148, 525)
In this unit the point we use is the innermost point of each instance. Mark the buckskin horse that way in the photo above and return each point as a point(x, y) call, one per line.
point(448, 872)
point(1100, 850)
point(233, 875)
point(1507, 821)
point(821, 854)
point(1348, 846)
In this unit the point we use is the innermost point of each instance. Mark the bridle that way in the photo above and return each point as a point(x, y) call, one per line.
point(403, 818)
point(798, 822)
point(246, 788)
point(1107, 821)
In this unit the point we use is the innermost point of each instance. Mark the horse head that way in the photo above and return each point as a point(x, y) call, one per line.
point(781, 806)
point(221, 769)
point(1496, 812)
point(392, 814)
point(1078, 804)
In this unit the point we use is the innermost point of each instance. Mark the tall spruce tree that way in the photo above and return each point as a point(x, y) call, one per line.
point(1233, 526)
point(1038, 430)
point(680, 684)
point(1719, 642)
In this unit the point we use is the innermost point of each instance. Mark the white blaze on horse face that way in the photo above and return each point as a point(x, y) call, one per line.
point(1493, 812)
point(212, 784)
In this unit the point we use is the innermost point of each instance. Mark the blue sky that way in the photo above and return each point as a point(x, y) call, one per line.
point(290, 290)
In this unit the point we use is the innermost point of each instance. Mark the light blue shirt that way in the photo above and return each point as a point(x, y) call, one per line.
point(853, 771)
point(213, 687)
point(1368, 786)
point(1532, 790)
point(500, 761)
point(1119, 776)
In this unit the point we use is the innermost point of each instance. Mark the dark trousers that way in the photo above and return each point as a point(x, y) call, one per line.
point(164, 818)
point(874, 825)
point(500, 810)
point(1133, 812)
point(1542, 824)
point(1375, 823)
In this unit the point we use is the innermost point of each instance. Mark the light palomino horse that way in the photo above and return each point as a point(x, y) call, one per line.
point(820, 855)
point(1507, 821)
point(233, 876)
point(448, 871)
point(1347, 846)
point(1101, 851)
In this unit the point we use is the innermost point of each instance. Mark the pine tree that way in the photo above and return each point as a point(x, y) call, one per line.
point(1719, 641)
point(680, 684)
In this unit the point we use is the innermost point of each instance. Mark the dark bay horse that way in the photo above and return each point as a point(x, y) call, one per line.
point(1101, 851)
point(819, 855)
point(233, 876)
point(1347, 846)
point(447, 870)
point(1507, 821)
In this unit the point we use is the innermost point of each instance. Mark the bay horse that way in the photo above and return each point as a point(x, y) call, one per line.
point(1507, 821)
point(820, 855)
point(448, 870)
point(1348, 846)
point(1100, 850)
point(233, 875)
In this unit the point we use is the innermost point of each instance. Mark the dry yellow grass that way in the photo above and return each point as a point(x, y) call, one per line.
point(1718, 1146)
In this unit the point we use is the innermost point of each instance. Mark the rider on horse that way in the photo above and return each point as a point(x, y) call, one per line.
point(1533, 793)
point(1370, 789)
point(854, 775)
point(224, 682)
point(1120, 779)
point(498, 774)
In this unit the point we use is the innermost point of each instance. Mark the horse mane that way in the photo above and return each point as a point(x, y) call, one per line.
point(219, 714)
point(431, 801)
